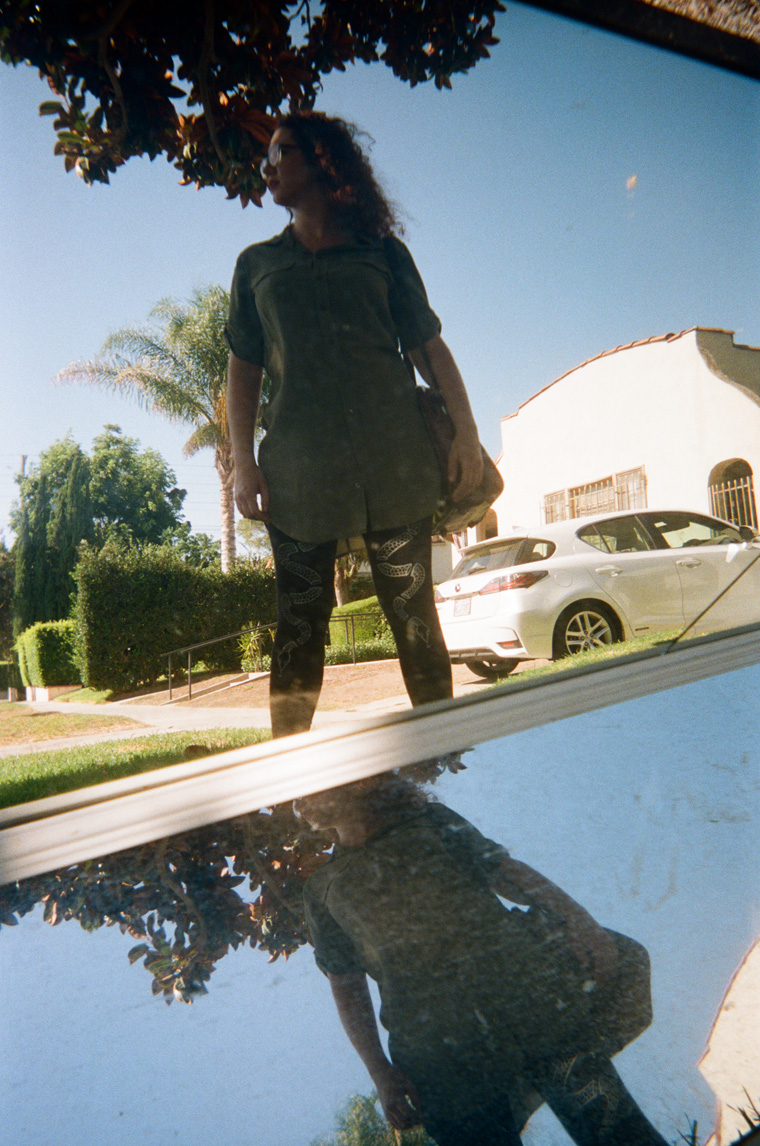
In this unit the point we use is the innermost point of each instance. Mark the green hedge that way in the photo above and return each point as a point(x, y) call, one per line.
point(135, 605)
point(370, 628)
point(383, 648)
point(9, 676)
point(46, 654)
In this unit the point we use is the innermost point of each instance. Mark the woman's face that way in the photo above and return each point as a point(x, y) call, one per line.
point(291, 180)
point(321, 810)
point(335, 806)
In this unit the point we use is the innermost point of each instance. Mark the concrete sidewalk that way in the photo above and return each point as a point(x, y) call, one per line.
point(150, 719)
point(195, 717)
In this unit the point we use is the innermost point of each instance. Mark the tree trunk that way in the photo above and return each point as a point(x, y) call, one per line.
point(225, 471)
point(345, 571)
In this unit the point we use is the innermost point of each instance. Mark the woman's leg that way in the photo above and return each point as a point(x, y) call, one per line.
point(305, 598)
point(589, 1098)
point(490, 1125)
point(401, 564)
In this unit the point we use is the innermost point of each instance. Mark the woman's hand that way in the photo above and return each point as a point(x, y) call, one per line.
point(398, 1097)
point(251, 492)
point(465, 466)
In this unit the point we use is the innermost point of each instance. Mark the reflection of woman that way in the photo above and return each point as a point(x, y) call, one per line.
point(324, 308)
point(485, 1019)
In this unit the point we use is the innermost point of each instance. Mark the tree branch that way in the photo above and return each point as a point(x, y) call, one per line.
point(207, 55)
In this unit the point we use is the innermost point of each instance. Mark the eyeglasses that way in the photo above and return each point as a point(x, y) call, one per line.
point(275, 153)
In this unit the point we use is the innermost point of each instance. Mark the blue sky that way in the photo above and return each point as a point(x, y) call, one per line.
point(536, 252)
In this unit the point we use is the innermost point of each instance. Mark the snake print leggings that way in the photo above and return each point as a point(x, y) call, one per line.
point(400, 560)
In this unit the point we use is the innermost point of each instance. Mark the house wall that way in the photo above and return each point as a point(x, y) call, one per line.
point(660, 404)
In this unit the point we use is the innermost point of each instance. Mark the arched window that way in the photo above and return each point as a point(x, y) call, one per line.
point(732, 492)
point(488, 527)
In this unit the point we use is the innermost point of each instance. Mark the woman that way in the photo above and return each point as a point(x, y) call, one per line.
point(326, 308)
point(489, 1013)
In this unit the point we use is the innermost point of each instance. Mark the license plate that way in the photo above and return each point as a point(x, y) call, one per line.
point(462, 607)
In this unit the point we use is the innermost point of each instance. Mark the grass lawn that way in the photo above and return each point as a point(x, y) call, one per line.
point(40, 774)
point(595, 657)
point(20, 724)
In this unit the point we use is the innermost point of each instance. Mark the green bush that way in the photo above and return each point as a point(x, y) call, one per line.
point(133, 606)
point(46, 654)
point(18, 649)
point(368, 628)
point(380, 649)
point(255, 649)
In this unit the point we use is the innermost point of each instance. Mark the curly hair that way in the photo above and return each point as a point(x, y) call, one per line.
point(329, 145)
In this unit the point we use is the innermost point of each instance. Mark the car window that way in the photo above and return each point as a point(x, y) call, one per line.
point(500, 555)
point(591, 537)
point(616, 535)
point(534, 549)
point(684, 530)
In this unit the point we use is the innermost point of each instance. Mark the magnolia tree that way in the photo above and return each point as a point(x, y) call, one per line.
point(201, 83)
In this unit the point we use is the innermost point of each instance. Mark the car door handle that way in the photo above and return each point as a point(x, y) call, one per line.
point(613, 569)
point(689, 562)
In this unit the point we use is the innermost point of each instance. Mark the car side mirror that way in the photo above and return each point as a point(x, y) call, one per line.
point(747, 533)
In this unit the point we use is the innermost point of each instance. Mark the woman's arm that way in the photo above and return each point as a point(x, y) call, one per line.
point(357, 1014)
point(590, 943)
point(244, 381)
point(435, 363)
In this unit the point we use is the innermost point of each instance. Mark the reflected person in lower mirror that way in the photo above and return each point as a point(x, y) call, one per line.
point(490, 1011)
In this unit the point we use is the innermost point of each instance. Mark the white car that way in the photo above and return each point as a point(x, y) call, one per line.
point(576, 585)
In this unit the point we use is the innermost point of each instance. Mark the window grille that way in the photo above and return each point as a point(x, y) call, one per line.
point(594, 497)
point(555, 506)
point(735, 501)
point(626, 490)
point(631, 489)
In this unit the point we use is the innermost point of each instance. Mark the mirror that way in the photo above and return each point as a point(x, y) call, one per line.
point(643, 813)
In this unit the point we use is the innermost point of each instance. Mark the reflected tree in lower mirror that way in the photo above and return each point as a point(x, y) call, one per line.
point(189, 899)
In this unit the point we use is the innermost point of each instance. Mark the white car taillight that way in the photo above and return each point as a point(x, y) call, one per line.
point(513, 581)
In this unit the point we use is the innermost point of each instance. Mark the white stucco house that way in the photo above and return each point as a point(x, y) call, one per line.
point(673, 421)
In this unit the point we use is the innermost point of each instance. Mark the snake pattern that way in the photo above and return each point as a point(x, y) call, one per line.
point(409, 569)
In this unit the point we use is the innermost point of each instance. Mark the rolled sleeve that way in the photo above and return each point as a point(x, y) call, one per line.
point(416, 322)
point(243, 332)
point(333, 950)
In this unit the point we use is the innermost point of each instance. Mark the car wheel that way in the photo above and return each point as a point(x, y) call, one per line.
point(583, 626)
point(492, 670)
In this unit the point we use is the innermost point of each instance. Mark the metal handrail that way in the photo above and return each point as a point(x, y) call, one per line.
point(190, 649)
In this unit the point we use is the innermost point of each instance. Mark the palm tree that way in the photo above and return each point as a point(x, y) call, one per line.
point(177, 366)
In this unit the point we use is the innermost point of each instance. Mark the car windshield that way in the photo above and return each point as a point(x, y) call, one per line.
point(502, 554)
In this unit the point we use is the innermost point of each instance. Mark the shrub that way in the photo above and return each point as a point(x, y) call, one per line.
point(380, 649)
point(9, 675)
point(46, 654)
point(133, 606)
point(367, 628)
point(255, 648)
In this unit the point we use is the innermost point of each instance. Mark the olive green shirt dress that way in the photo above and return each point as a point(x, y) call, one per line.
point(345, 449)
